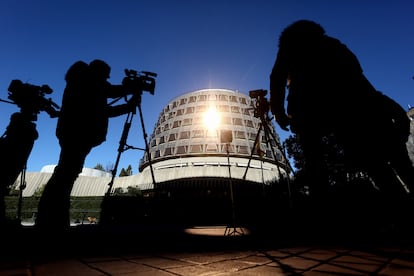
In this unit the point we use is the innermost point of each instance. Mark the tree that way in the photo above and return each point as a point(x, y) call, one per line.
point(123, 173)
point(126, 172)
point(99, 167)
point(294, 151)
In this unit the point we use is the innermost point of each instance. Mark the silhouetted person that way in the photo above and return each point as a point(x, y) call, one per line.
point(329, 96)
point(15, 147)
point(17, 142)
point(82, 125)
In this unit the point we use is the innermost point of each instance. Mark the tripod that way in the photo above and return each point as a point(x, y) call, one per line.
point(123, 146)
point(269, 136)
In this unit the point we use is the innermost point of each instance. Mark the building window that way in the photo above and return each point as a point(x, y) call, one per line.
point(235, 109)
point(198, 133)
point(189, 110)
point(237, 121)
point(168, 151)
point(187, 122)
point(176, 124)
point(268, 153)
point(223, 97)
point(243, 150)
point(185, 135)
point(196, 148)
point(153, 143)
point(227, 148)
point(202, 98)
point(240, 134)
point(223, 108)
point(180, 112)
point(181, 150)
point(172, 137)
point(252, 136)
point(211, 148)
point(248, 123)
point(192, 99)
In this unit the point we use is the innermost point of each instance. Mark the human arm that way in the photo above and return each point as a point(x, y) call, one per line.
point(130, 106)
point(278, 81)
point(116, 91)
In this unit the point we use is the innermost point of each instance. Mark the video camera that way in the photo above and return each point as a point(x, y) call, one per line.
point(31, 98)
point(139, 81)
point(259, 93)
point(261, 104)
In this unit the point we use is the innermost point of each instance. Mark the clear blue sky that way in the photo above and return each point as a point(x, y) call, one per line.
point(191, 45)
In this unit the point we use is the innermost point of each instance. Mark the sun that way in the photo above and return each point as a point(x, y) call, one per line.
point(212, 118)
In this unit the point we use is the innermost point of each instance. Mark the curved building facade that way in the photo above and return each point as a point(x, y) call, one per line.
point(201, 133)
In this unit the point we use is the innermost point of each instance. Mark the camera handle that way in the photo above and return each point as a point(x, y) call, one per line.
point(123, 146)
point(6, 101)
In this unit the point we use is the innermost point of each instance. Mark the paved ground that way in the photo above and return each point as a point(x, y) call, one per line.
point(166, 250)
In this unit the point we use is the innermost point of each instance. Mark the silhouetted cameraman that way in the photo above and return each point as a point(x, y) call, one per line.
point(329, 96)
point(17, 141)
point(82, 125)
point(15, 147)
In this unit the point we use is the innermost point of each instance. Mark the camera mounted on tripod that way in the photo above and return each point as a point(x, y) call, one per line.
point(261, 104)
point(137, 82)
point(31, 98)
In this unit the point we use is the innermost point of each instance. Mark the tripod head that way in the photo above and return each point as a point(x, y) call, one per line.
point(31, 99)
point(260, 103)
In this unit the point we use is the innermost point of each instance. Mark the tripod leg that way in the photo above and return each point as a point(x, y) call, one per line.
point(256, 141)
point(146, 143)
point(121, 148)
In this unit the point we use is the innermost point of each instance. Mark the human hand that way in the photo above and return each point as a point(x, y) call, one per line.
point(135, 100)
point(283, 121)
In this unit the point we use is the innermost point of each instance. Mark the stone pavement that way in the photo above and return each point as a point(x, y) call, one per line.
point(199, 251)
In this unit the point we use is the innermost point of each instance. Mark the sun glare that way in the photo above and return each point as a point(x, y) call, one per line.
point(212, 118)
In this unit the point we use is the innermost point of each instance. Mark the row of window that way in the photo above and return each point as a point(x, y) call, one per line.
point(209, 149)
point(204, 98)
point(203, 108)
point(199, 133)
point(205, 148)
point(200, 120)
